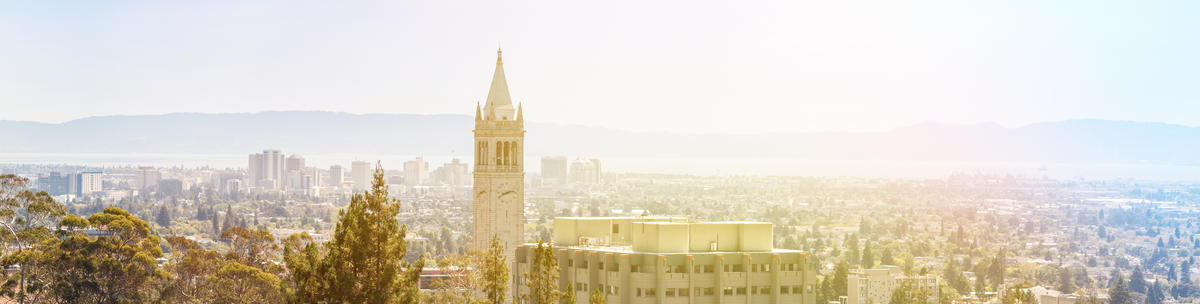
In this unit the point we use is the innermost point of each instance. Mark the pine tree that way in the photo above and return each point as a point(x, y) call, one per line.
point(569, 296)
point(364, 260)
point(230, 220)
point(1171, 274)
point(1155, 294)
point(542, 278)
point(1137, 282)
point(216, 222)
point(1119, 293)
point(840, 279)
point(1185, 272)
point(495, 272)
point(886, 258)
point(1066, 282)
point(163, 218)
point(597, 297)
point(868, 259)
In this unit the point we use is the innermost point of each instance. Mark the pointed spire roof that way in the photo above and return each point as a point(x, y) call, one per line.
point(499, 103)
point(520, 111)
point(477, 115)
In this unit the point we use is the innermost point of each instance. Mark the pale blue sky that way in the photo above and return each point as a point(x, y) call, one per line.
point(786, 66)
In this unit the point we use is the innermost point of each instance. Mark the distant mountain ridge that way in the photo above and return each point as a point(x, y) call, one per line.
point(307, 132)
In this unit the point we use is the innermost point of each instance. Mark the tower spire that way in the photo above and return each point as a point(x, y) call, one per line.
point(498, 100)
point(477, 116)
point(519, 111)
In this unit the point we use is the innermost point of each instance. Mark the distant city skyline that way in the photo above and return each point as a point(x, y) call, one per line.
point(698, 67)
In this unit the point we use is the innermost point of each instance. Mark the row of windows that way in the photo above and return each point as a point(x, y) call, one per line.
point(729, 291)
point(506, 153)
point(699, 268)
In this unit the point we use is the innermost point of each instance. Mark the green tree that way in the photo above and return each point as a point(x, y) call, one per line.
point(1155, 294)
point(363, 261)
point(237, 283)
point(1066, 282)
point(163, 217)
point(1137, 282)
point(825, 291)
point(947, 294)
point(24, 218)
point(542, 277)
point(190, 267)
point(886, 258)
point(569, 297)
point(1016, 295)
point(909, 293)
point(597, 297)
point(116, 267)
point(868, 259)
point(1119, 293)
point(495, 272)
point(840, 274)
point(252, 248)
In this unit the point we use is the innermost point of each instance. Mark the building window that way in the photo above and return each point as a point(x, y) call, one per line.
point(670, 292)
point(783, 289)
point(683, 292)
point(708, 291)
point(616, 228)
point(741, 291)
point(728, 291)
point(650, 292)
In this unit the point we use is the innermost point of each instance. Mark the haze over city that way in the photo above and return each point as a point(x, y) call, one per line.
point(693, 67)
point(799, 152)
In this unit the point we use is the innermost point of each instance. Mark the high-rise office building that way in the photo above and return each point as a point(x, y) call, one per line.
point(55, 183)
point(599, 173)
point(499, 178)
point(266, 170)
point(337, 176)
point(86, 183)
point(554, 170)
point(146, 177)
point(416, 172)
point(294, 162)
point(453, 173)
point(585, 171)
point(360, 172)
point(671, 260)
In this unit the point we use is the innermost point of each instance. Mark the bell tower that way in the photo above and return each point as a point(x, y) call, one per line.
point(499, 177)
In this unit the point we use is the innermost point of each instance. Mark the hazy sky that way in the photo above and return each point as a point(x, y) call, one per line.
point(687, 66)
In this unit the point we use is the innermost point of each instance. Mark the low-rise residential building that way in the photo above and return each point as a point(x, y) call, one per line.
point(875, 286)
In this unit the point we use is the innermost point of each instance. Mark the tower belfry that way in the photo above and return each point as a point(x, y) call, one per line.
point(499, 176)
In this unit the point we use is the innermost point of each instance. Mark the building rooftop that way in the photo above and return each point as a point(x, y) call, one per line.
point(663, 235)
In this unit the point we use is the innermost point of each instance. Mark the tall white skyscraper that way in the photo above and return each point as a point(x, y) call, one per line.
point(360, 172)
point(337, 176)
point(86, 183)
point(294, 162)
point(266, 170)
point(415, 172)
